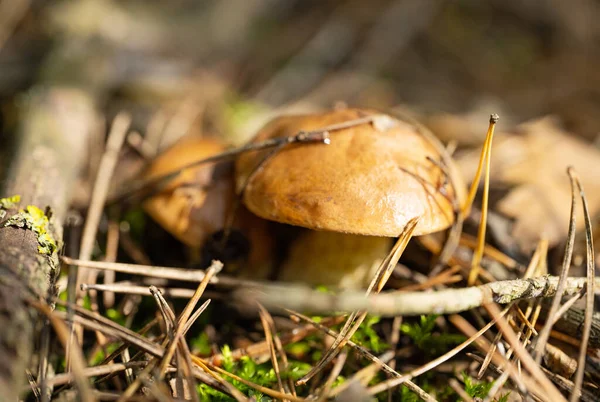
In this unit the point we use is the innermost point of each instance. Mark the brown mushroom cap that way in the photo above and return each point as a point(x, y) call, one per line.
point(371, 180)
point(195, 203)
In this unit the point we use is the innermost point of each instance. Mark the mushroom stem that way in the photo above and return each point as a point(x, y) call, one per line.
point(357, 317)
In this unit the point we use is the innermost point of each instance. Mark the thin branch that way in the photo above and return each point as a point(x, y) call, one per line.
point(66, 378)
point(112, 249)
point(181, 274)
point(108, 163)
point(131, 289)
point(390, 304)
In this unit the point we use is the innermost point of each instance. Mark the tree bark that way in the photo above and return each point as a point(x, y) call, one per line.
point(48, 155)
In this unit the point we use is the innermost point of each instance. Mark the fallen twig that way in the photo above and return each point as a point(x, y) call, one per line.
point(389, 304)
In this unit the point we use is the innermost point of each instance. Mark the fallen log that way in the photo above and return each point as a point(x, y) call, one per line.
point(49, 150)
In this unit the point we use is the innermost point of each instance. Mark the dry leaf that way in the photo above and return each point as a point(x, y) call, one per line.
point(532, 160)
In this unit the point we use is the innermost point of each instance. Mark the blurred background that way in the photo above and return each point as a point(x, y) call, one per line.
point(226, 66)
point(521, 59)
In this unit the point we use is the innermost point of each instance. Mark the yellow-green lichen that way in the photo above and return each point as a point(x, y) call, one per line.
point(36, 220)
point(9, 202)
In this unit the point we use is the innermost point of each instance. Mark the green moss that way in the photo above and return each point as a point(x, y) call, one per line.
point(116, 316)
point(102, 353)
point(261, 374)
point(480, 389)
point(367, 337)
point(137, 222)
point(422, 334)
point(201, 344)
point(35, 219)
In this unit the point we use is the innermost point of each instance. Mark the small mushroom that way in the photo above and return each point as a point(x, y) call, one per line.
point(370, 181)
point(195, 203)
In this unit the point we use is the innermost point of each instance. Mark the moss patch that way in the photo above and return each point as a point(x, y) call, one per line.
point(36, 220)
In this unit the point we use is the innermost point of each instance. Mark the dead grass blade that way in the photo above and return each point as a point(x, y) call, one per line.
point(545, 332)
point(589, 305)
point(484, 153)
point(77, 359)
point(523, 381)
point(112, 248)
point(142, 290)
point(364, 375)
point(98, 323)
point(134, 386)
point(195, 316)
point(184, 363)
point(489, 251)
point(534, 369)
point(276, 348)
point(535, 266)
point(335, 372)
point(187, 312)
point(124, 346)
point(478, 254)
point(269, 338)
